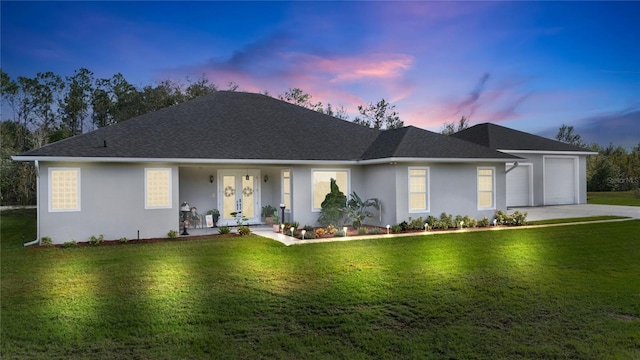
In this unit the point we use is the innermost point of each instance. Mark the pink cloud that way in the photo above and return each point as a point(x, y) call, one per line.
point(353, 68)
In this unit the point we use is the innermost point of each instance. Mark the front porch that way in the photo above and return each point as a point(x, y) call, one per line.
point(237, 193)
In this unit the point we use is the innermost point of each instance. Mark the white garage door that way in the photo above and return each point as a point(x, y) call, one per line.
point(559, 181)
point(518, 186)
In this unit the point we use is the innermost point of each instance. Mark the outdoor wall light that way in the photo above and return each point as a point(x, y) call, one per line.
point(211, 178)
point(266, 178)
point(388, 227)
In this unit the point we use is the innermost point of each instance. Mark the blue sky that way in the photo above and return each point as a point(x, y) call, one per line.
point(532, 66)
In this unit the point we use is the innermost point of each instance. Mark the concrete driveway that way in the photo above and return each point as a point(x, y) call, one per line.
point(575, 211)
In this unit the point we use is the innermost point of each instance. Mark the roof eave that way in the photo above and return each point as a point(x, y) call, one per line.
point(177, 160)
point(258, 161)
point(549, 152)
point(435, 160)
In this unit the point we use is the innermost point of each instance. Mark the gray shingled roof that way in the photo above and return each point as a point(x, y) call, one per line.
point(245, 126)
point(503, 138)
point(412, 142)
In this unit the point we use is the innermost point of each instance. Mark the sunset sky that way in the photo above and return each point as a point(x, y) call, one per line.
point(532, 66)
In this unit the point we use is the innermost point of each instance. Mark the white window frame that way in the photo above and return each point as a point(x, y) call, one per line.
point(493, 187)
point(50, 189)
point(347, 192)
point(169, 190)
point(427, 189)
point(286, 192)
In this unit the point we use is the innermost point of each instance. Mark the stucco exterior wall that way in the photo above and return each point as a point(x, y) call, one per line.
point(453, 189)
point(112, 203)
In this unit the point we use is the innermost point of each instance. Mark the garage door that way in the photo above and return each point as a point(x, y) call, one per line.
point(559, 181)
point(518, 186)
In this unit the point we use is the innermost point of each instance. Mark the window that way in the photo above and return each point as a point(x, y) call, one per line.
point(64, 189)
point(418, 189)
point(322, 184)
point(286, 189)
point(157, 188)
point(486, 188)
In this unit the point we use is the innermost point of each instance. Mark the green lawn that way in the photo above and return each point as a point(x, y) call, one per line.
point(557, 292)
point(627, 198)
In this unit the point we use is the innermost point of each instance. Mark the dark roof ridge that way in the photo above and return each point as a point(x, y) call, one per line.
point(504, 138)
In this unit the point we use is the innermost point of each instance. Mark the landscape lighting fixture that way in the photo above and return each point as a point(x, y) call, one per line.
point(388, 227)
point(303, 232)
point(185, 209)
point(282, 206)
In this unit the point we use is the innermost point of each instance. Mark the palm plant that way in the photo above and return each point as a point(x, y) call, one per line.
point(357, 209)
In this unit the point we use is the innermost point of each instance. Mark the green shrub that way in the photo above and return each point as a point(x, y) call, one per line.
point(46, 241)
point(416, 224)
point(123, 240)
point(244, 230)
point(332, 208)
point(331, 229)
point(404, 226)
point(636, 193)
point(396, 229)
point(484, 222)
point(223, 230)
point(362, 231)
point(69, 244)
point(519, 218)
point(433, 222)
point(172, 234)
point(501, 217)
point(339, 233)
point(375, 231)
point(308, 235)
point(446, 221)
point(470, 222)
point(95, 241)
point(309, 228)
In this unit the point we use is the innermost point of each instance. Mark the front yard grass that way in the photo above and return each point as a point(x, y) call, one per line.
point(578, 219)
point(557, 292)
point(627, 198)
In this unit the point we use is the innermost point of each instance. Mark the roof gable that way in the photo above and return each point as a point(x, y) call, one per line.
point(503, 138)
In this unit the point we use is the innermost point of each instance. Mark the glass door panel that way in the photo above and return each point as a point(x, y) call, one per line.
point(239, 191)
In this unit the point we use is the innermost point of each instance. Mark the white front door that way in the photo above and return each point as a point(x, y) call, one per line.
point(239, 192)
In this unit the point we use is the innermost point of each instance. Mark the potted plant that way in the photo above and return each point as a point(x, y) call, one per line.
point(276, 221)
point(267, 214)
point(215, 213)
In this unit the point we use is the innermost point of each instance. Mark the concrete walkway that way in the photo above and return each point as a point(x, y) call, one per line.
point(576, 211)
